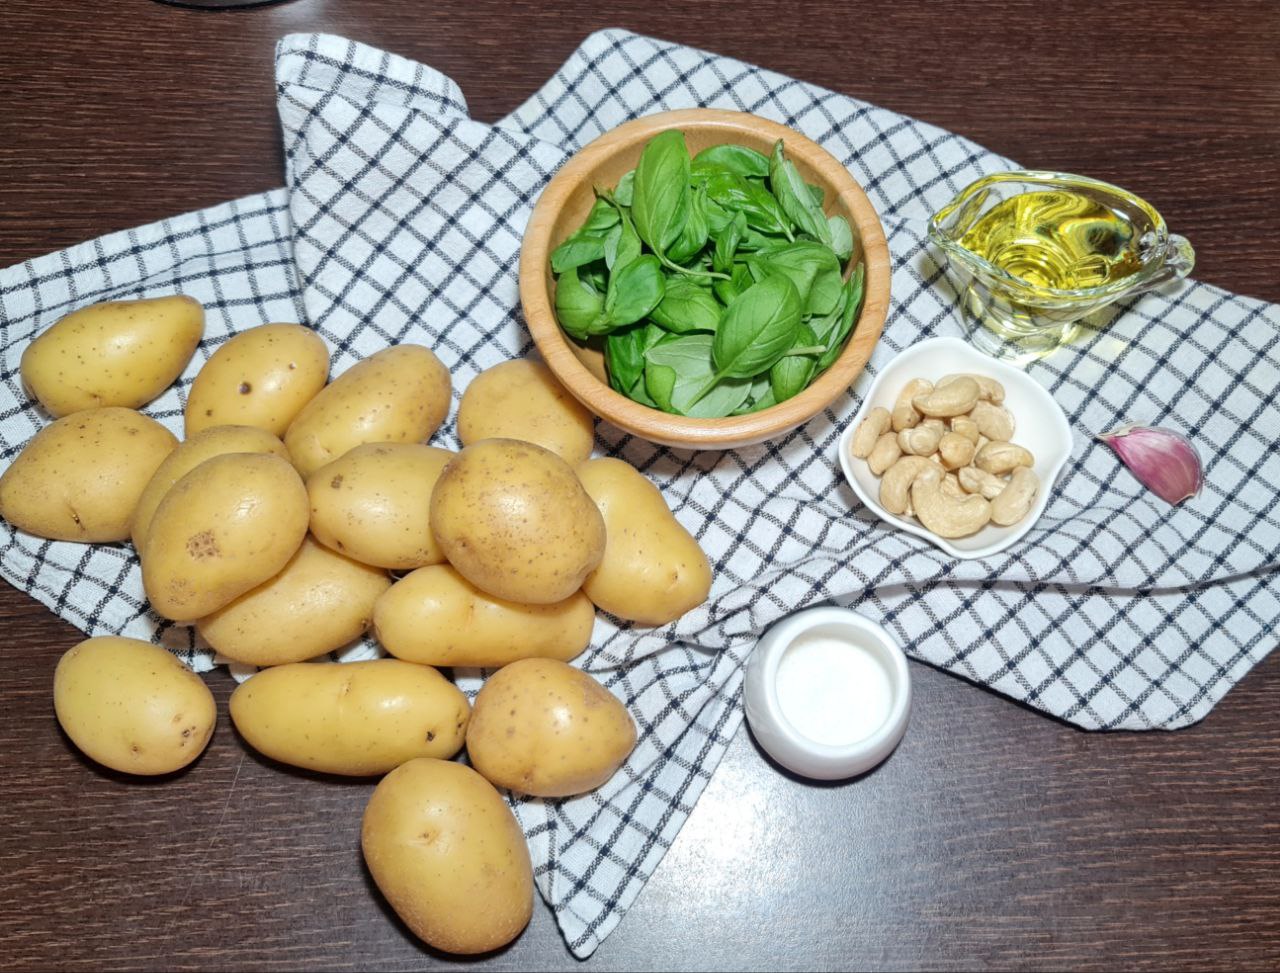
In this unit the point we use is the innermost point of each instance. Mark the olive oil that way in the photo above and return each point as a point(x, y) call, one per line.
point(1056, 239)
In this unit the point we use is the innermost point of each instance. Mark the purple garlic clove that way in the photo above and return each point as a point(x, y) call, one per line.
point(1164, 461)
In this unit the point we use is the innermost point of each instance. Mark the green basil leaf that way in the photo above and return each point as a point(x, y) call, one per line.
point(634, 290)
point(766, 401)
point(759, 387)
point(717, 216)
point(602, 216)
point(660, 197)
point(727, 243)
point(581, 248)
point(757, 328)
point(578, 304)
point(686, 307)
point(622, 245)
point(794, 196)
point(660, 383)
point(841, 237)
point(735, 192)
point(791, 374)
point(827, 287)
point(727, 290)
point(690, 359)
point(818, 194)
point(851, 303)
point(826, 325)
point(624, 357)
point(626, 185)
point(734, 158)
point(693, 236)
point(804, 262)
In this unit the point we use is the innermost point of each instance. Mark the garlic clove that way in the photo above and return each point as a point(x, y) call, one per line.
point(1164, 461)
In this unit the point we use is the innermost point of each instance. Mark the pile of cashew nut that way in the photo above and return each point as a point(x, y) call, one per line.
point(944, 456)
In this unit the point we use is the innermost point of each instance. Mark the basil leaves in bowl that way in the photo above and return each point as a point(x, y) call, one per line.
point(704, 279)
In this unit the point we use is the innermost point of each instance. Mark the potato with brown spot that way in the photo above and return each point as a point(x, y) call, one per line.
point(513, 519)
point(132, 706)
point(117, 353)
point(436, 617)
point(358, 719)
point(448, 854)
point(223, 529)
point(544, 728)
point(521, 399)
point(80, 478)
point(399, 395)
point(373, 503)
point(319, 602)
point(261, 377)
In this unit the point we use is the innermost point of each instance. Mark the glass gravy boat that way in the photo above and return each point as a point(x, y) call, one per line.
point(1037, 252)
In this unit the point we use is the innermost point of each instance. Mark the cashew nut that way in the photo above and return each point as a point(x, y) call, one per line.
point(1015, 500)
point(998, 458)
point(982, 441)
point(945, 515)
point(904, 414)
point(869, 430)
point(993, 421)
point(951, 486)
point(966, 427)
point(975, 480)
point(921, 441)
point(959, 397)
point(884, 453)
point(956, 450)
point(895, 485)
point(989, 388)
point(932, 423)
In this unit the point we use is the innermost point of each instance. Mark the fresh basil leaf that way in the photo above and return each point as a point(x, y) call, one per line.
point(804, 262)
point(757, 328)
point(826, 291)
point(794, 196)
point(690, 359)
point(660, 196)
point(624, 356)
point(595, 276)
point(693, 236)
point(623, 193)
point(717, 216)
point(852, 302)
point(759, 387)
point(734, 192)
point(841, 237)
point(792, 373)
point(622, 245)
point(727, 243)
point(686, 307)
point(734, 158)
point(634, 290)
point(581, 248)
point(825, 325)
point(602, 216)
point(766, 401)
point(660, 383)
point(819, 195)
point(727, 290)
point(578, 304)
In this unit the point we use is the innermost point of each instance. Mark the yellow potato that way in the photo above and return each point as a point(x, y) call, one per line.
point(80, 478)
point(223, 529)
point(399, 395)
point(318, 603)
point(204, 445)
point(261, 377)
point(358, 719)
point(118, 353)
point(373, 504)
point(515, 522)
point(449, 856)
point(544, 728)
point(521, 399)
point(132, 706)
point(436, 617)
point(653, 571)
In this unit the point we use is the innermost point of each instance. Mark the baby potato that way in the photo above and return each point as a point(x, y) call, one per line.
point(261, 377)
point(653, 571)
point(544, 728)
point(521, 399)
point(80, 478)
point(357, 719)
point(118, 353)
point(436, 617)
point(318, 603)
point(221, 530)
point(399, 395)
point(449, 856)
point(373, 503)
point(513, 519)
point(215, 441)
point(132, 706)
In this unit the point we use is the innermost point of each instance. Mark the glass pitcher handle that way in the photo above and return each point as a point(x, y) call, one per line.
point(1179, 258)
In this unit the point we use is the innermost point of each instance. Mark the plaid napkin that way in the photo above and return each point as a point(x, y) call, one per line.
point(401, 221)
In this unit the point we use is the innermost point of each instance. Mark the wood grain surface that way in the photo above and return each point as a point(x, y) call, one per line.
point(994, 838)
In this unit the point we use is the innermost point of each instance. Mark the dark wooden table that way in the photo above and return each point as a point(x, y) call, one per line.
point(994, 838)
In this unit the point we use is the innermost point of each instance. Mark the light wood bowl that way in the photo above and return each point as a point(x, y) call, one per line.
point(564, 205)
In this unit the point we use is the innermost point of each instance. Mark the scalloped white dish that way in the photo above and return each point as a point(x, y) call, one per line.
point(1041, 426)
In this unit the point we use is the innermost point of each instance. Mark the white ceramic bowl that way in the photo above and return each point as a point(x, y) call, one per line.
point(1041, 426)
point(885, 697)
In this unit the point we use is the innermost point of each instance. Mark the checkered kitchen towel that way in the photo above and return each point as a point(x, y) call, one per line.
point(401, 221)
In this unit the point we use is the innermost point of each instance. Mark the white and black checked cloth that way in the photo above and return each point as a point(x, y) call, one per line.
point(401, 220)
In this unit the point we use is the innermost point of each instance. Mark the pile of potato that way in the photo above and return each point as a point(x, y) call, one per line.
point(275, 528)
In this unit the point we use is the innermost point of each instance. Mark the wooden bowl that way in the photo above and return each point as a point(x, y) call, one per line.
point(563, 207)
